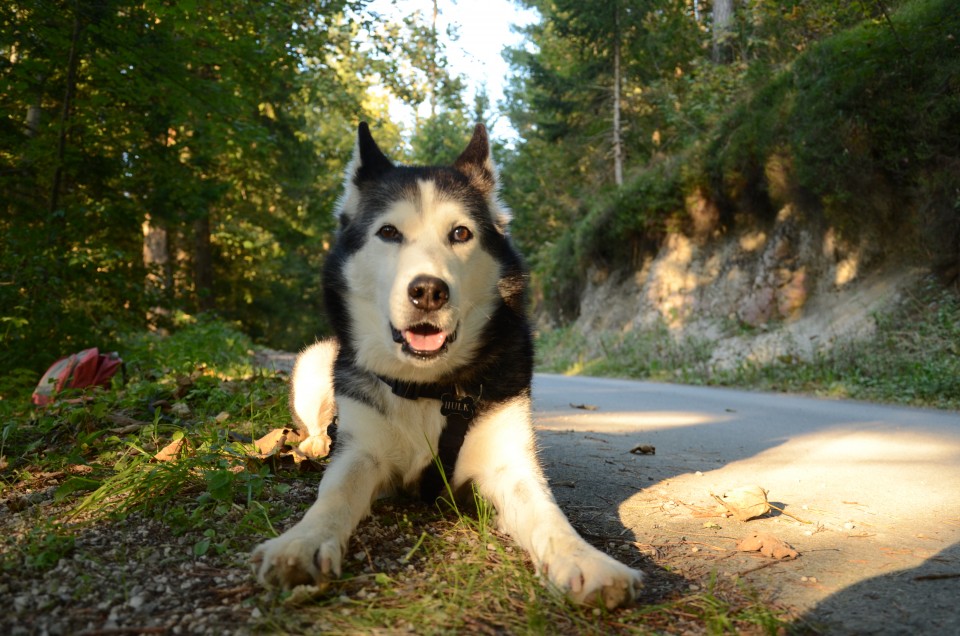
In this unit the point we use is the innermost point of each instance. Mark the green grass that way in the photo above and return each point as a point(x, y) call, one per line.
point(913, 358)
point(73, 473)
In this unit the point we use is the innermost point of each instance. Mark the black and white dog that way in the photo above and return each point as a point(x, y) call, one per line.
point(433, 357)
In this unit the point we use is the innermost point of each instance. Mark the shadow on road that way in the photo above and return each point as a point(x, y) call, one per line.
point(920, 600)
point(876, 491)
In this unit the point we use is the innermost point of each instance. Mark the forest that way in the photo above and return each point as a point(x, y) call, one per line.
point(163, 162)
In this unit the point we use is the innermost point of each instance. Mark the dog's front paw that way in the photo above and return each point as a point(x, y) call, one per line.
point(590, 577)
point(315, 446)
point(296, 558)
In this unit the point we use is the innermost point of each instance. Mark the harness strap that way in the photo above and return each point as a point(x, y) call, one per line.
point(459, 413)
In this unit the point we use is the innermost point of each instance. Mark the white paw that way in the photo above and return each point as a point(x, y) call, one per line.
point(315, 446)
point(297, 558)
point(588, 576)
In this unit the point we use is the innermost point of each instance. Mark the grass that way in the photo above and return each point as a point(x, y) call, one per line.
point(913, 358)
point(88, 504)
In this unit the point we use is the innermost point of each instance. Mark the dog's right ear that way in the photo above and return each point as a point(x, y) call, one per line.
point(368, 163)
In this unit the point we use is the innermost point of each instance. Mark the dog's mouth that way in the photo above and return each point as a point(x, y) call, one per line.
point(423, 340)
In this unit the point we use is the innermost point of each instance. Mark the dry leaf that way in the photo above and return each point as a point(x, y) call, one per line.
point(745, 503)
point(767, 545)
point(274, 441)
point(172, 451)
point(304, 594)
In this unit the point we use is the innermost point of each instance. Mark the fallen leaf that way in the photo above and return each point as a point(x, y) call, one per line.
point(3, 463)
point(767, 545)
point(745, 503)
point(273, 442)
point(584, 407)
point(303, 594)
point(172, 451)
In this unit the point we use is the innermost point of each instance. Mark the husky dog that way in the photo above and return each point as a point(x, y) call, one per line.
point(433, 356)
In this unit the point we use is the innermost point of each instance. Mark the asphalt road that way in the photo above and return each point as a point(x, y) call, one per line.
point(877, 489)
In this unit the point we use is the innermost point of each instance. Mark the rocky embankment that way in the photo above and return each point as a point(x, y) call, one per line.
point(765, 291)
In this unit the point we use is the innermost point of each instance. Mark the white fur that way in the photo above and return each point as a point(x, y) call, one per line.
point(311, 396)
point(379, 273)
point(378, 449)
point(497, 455)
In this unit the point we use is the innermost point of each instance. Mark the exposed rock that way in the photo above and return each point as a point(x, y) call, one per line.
point(761, 292)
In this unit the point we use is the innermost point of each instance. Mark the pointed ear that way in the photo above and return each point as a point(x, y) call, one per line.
point(368, 163)
point(475, 162)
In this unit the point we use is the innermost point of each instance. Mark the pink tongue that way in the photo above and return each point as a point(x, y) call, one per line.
point(425, 341)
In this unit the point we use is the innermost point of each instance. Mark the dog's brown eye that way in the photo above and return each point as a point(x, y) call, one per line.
point(460, 234)
point(390, 234)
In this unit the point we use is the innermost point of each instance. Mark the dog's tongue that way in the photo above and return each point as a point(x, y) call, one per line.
point(425, 339)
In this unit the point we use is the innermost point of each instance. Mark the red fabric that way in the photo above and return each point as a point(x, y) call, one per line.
point(76, 371)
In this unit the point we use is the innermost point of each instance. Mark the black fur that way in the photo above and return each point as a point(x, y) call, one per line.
point(503, 364)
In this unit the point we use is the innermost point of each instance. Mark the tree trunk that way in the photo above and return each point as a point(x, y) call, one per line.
point(72, 64)
point(432, 71)
point(617, 137)
point(723, 31)
point(159, 281)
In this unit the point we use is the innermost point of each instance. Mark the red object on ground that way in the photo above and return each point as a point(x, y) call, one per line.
point(76, 371)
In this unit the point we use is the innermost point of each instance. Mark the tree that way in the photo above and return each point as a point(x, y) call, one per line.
point(175, 131)
point(722, 31)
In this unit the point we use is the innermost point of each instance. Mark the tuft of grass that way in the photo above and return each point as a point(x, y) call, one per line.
point(651, 353)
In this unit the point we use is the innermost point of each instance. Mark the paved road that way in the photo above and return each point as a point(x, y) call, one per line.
point(879, 486)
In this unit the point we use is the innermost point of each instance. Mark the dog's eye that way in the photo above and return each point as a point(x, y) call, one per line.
point(390, 234)
point(460, 234)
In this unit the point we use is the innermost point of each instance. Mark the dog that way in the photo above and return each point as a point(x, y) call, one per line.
point(429, 374)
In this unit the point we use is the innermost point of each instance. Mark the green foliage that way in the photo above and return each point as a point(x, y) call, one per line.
point(913, 358)
point(222, 127)
point(195, 340)
point(841, 107)
point(651, 353)
point(42, 548)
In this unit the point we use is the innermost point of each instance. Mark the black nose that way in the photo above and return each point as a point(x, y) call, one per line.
point(428, 293)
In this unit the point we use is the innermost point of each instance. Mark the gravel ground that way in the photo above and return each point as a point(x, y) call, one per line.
point(137, 576)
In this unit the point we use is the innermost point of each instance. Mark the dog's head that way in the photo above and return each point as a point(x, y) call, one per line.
point(422, 261)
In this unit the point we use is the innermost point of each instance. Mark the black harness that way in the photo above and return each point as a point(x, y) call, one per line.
point(459, 412)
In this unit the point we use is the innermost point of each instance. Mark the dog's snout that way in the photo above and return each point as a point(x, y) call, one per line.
point(428, 293)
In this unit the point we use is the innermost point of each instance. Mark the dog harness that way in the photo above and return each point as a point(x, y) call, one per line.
point(459, 412)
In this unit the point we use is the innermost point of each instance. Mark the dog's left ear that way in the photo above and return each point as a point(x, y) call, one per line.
point(476, 164)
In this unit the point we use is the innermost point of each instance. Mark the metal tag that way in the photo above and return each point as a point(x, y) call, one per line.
point(465, 407)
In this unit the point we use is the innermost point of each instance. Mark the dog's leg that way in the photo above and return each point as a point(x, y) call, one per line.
point(312, 403)
point(498, 455)
point(311, 551)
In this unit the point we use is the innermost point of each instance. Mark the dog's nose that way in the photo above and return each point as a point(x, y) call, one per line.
point(428, 293)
